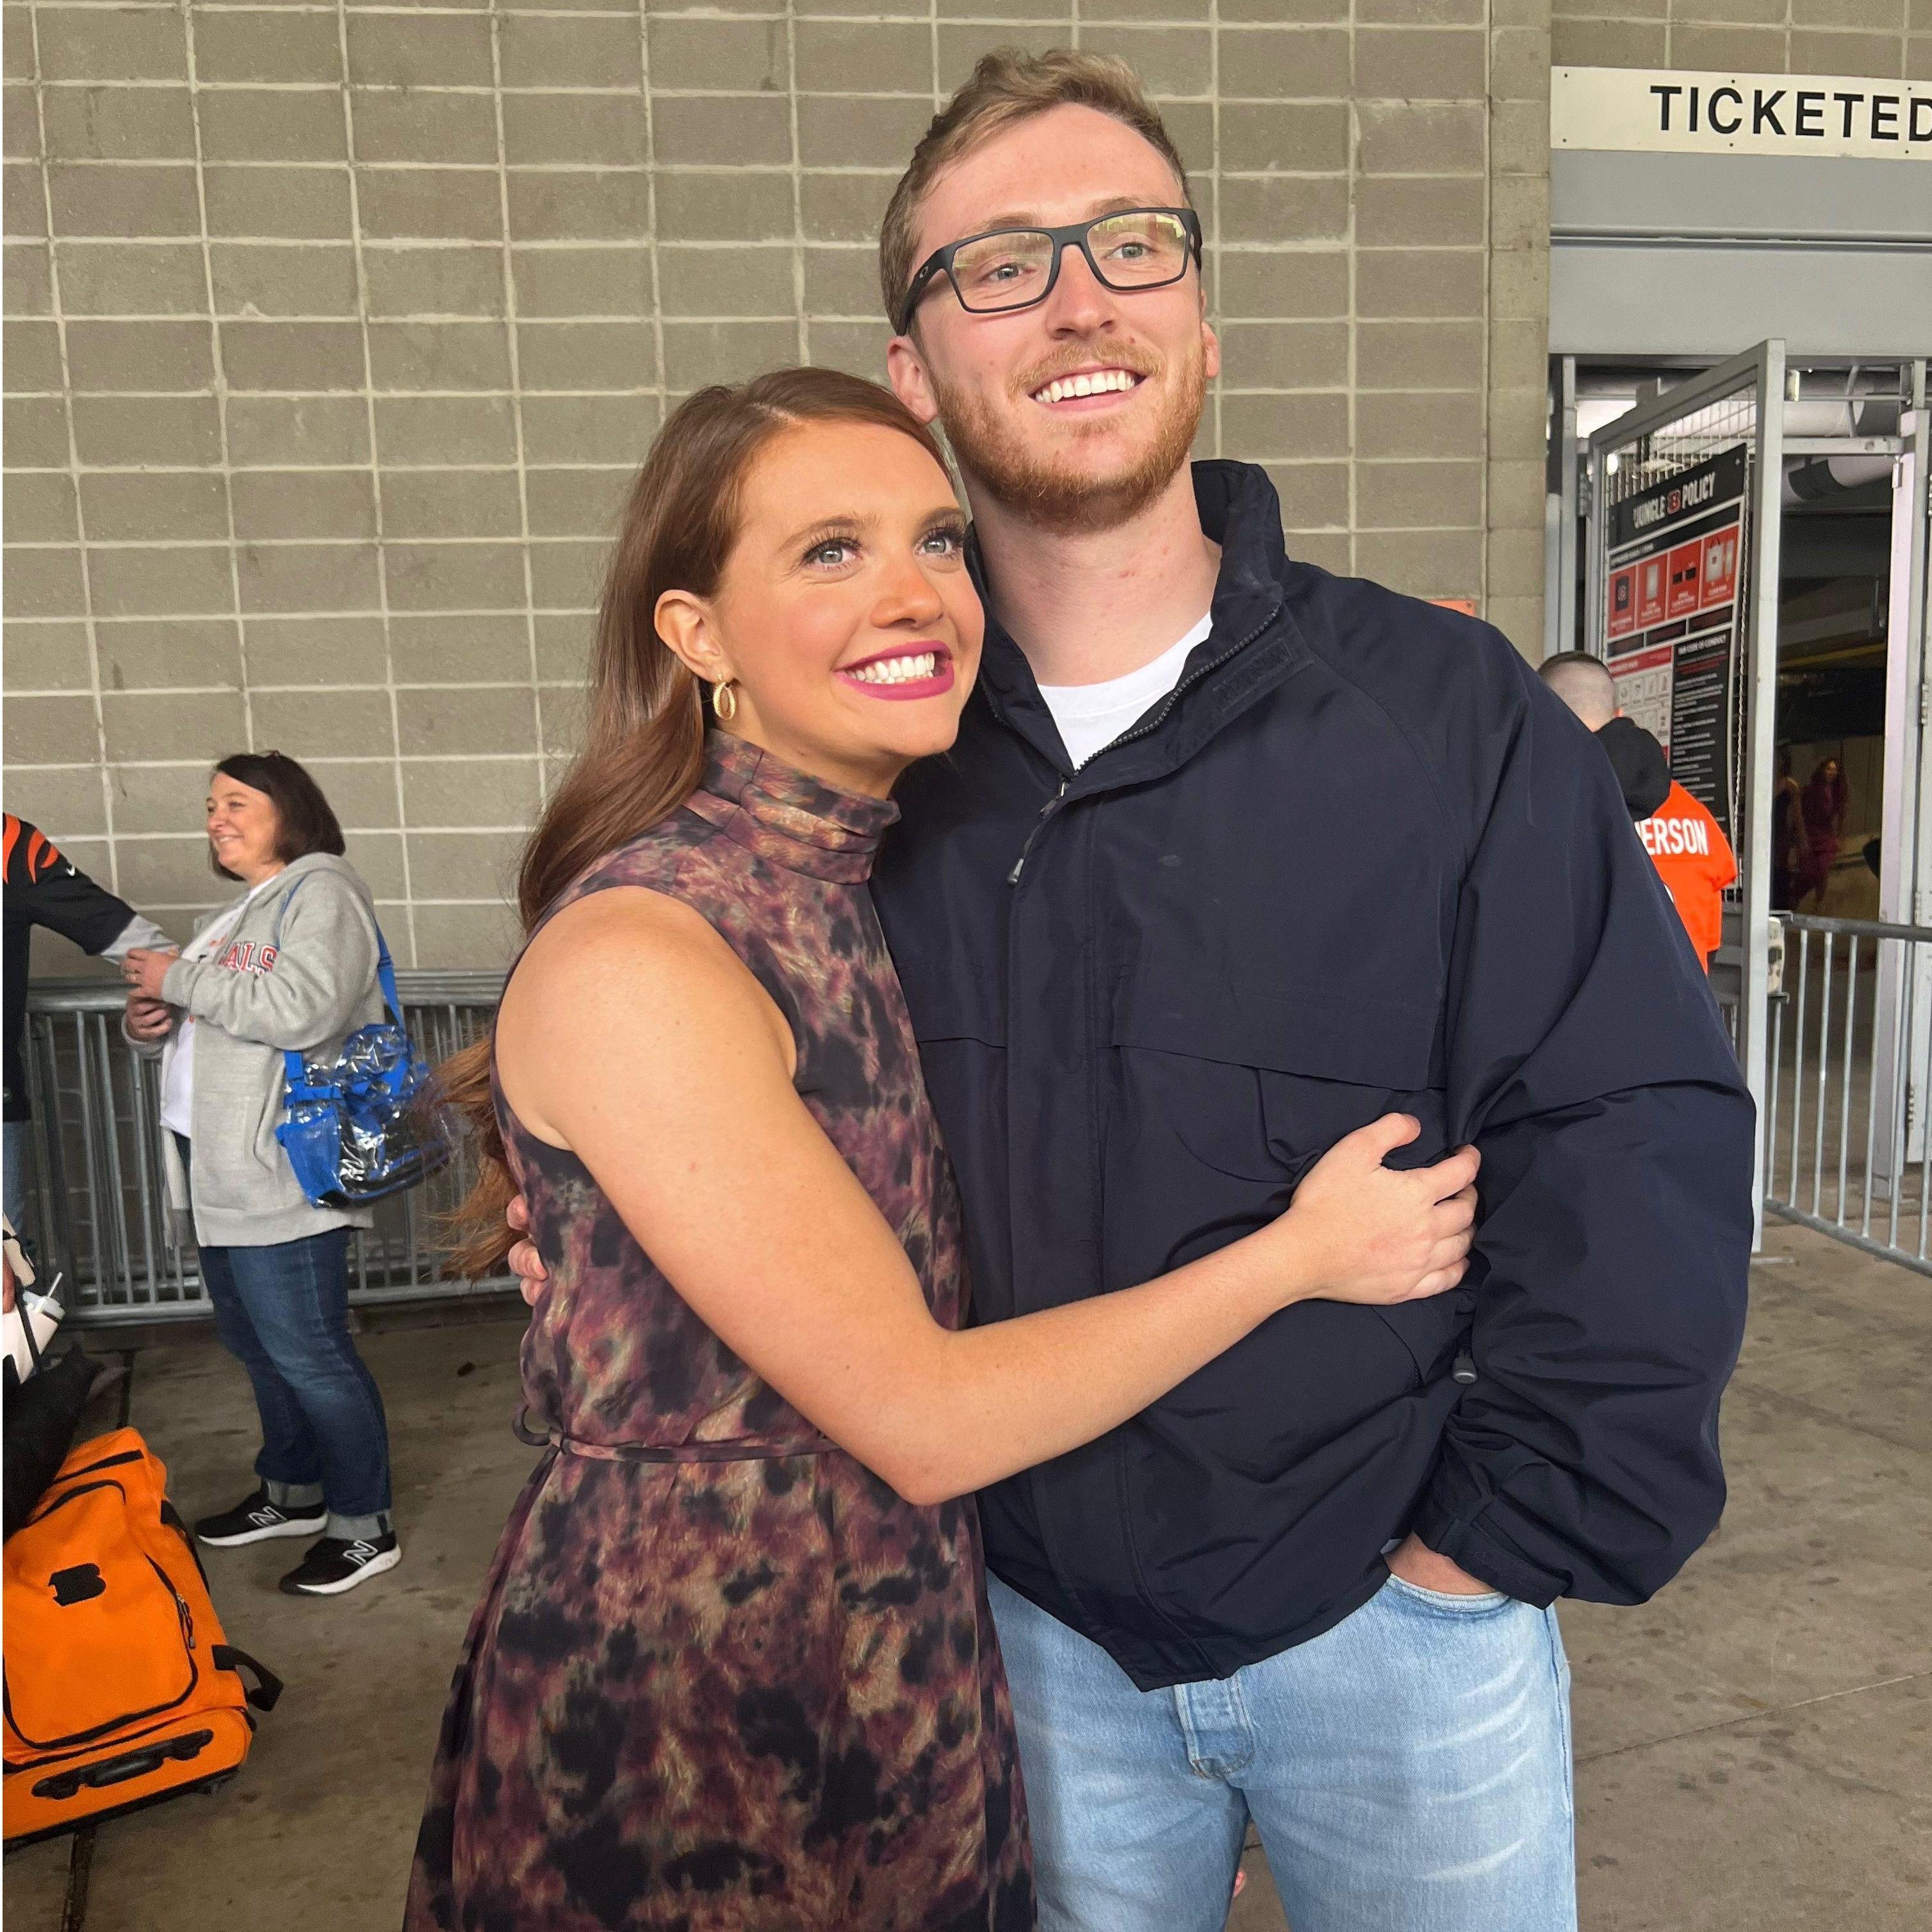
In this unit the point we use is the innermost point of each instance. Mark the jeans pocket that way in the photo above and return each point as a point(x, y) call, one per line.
point(1452, 1604)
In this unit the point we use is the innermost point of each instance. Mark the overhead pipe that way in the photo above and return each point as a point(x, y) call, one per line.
point(1818, 478)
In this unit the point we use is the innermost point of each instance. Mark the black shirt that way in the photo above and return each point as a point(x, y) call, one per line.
point(43, 889)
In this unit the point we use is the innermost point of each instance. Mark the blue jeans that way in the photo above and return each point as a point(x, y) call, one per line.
point(282, 1312)
point(1408, 1770)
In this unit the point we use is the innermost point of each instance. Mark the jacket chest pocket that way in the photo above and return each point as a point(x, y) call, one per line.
point(1226, 1097)
point(1260, 1084)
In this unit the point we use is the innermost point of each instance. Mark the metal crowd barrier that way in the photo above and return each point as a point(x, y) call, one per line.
point(1845, 1146)
point(97, 1210)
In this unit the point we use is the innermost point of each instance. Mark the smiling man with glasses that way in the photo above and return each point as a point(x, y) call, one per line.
point(1232, 857)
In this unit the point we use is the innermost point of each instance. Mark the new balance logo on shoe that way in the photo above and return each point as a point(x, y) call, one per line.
point(337, 1564)
point(256, 1519)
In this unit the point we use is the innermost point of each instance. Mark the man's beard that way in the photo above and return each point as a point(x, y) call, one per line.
point(1053, 491)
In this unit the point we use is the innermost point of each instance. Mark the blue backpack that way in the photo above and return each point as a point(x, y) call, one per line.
point(363, 1124)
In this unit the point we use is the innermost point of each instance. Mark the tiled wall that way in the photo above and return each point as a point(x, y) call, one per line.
point(333, 332)
point(1888, 39)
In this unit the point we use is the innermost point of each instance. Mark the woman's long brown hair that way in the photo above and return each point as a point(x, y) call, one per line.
point(644, 744)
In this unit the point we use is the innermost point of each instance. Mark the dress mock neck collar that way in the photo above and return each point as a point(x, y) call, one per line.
point(782, 815)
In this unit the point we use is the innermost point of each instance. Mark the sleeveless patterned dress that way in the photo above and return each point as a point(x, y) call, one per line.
point(723, 1678)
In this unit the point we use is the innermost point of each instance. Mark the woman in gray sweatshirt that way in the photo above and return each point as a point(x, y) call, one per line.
point(290, 964)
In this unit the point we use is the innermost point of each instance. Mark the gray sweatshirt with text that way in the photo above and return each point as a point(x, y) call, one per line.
point(298, 971)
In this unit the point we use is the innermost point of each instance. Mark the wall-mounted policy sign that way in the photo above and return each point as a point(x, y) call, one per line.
point(1654, 110)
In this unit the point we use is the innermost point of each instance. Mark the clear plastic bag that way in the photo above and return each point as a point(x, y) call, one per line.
point(366, 1123)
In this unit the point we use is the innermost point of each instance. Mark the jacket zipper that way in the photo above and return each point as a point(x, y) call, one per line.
point(1146, 726)
point(1039, 826)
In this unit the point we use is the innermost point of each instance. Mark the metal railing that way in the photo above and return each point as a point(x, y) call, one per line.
point(1845, 1146)
point(98, 1210)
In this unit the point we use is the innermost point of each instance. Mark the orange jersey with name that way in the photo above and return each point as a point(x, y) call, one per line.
point(1689, 849)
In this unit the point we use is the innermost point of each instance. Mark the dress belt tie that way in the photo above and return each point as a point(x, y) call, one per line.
point(680, 1452)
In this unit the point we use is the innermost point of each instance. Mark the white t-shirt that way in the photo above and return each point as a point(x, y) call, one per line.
point(177, 1055)
point(1091, 716)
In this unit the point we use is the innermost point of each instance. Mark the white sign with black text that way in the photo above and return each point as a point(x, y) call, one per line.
point(1656, 111)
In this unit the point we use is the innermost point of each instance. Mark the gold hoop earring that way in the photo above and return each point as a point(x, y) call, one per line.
point(724, 701)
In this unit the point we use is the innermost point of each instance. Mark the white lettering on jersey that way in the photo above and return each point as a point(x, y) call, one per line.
point(1675, 837)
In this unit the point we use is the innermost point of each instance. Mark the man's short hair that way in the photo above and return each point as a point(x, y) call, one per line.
point(1008, 86)
point(1584, 683)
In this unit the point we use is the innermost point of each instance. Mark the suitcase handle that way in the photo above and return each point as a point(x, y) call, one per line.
point(111, 1770)
point(265, 1692)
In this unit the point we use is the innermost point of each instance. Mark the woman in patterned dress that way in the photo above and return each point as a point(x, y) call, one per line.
point(734, 1670)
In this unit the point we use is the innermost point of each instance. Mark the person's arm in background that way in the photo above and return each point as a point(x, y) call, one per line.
point(324, 963)
point(1587, 1063)
point(58, 895)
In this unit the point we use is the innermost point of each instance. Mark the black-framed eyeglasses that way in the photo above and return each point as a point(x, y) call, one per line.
point(1009, 268)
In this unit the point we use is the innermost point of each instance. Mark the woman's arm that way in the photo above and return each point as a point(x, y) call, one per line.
point(325, 964)
point(632, 1035)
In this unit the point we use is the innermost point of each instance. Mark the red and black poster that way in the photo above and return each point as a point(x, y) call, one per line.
point(1670, 618)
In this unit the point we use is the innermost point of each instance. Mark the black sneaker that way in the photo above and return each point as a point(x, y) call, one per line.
point(336, 1564)
point(257, 1519)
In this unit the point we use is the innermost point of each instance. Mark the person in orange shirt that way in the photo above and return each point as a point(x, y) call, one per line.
point(1688, 847)
point(1686, 843)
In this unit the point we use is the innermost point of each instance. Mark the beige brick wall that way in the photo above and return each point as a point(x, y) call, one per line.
point(1888, 39)
point(333, 332)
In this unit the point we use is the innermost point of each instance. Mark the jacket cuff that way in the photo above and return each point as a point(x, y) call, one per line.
point(1466, 1544)
point(178, 982)
point(144, 1049)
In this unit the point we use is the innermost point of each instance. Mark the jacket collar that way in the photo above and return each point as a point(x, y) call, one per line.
point(1252, 646)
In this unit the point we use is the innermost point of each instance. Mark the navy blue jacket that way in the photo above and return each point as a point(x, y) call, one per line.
point(1361, 860)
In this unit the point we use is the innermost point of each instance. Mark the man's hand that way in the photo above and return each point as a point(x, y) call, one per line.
point(526, 1264)
point(1414, 1562)
point(149, 1018)
point(144, 971)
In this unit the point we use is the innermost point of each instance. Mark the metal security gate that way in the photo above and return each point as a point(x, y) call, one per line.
point(1845, 1145)
point(1831, 1018)
point(1681, 588)
point(97, 1211)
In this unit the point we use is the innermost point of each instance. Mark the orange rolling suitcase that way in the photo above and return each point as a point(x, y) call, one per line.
point(120, 1686)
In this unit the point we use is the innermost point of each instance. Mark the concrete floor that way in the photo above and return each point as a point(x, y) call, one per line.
point(1754, 1750)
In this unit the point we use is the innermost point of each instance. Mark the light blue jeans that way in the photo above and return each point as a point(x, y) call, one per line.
point(1408, 1770)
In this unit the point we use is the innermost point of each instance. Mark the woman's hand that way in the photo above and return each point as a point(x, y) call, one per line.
point(526, 1264)
point(1359, 1231)
point(149, 1018)
point(144, 970)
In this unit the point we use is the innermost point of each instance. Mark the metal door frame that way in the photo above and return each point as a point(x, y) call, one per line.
point(1761, 368)
point(1917, 873)
point(1560, 510)
point(1905, 873)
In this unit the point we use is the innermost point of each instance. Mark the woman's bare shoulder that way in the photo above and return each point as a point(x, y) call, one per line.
point(634, 943)
point(631, 983)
